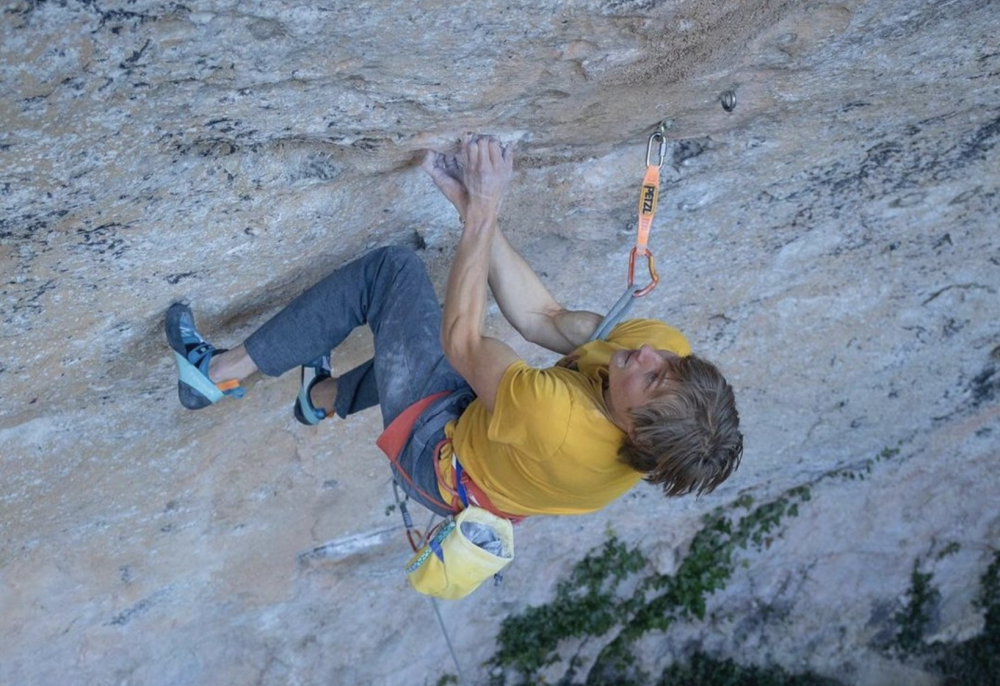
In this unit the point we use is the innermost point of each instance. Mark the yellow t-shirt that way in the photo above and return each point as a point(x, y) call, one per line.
point(549, 446)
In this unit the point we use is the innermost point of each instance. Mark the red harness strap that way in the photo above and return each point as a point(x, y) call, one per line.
point(477, 496)
point(393, 440)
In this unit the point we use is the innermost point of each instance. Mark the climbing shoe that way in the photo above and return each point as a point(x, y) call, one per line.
point(312, 374)
point(193, 355)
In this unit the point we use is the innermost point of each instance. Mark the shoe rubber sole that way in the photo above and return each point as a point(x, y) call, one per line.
point(195, 390)
point(310, 374)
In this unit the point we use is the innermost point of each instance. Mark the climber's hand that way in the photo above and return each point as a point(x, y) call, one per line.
point(487, 168)
point(447, 174)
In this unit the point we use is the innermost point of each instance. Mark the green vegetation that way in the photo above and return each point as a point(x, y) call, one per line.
point(976, 662)
point(594, 601)
point(612, 598)
point(866, 467)
point(702, 670)
point(586, 604)
point(949, 549)
point(922, 597)
point(887, 454)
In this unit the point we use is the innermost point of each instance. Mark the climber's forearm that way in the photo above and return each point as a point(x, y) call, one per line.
point(529, 306)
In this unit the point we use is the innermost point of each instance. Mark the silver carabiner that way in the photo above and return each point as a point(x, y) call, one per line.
point(661, 134)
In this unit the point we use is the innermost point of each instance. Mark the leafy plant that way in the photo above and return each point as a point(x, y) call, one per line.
point(949, 549)
point(976, 662)
point(702, 670)
point(585, 604)
point(589, 604)
point(913, 619)
point(594, 604)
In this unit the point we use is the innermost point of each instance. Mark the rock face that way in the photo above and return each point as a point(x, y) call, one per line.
point(832, 242)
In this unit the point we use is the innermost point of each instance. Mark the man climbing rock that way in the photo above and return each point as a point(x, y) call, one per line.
point(567, 439)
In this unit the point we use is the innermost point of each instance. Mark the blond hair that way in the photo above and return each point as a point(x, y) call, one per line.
point(688, 439)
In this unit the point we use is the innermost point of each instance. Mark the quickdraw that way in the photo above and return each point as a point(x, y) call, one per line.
point(649, 195)
point(413, 534)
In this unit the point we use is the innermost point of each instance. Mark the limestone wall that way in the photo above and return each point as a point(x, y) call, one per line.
point(832, 242)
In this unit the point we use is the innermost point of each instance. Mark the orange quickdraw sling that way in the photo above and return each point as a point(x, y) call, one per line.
point(649, 194)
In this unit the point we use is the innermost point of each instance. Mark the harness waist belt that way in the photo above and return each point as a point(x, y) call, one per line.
point(394, 438)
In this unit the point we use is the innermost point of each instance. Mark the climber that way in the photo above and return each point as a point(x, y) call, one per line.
point(567, 439)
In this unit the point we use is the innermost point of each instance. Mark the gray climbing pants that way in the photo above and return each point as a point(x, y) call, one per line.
point(389, 290)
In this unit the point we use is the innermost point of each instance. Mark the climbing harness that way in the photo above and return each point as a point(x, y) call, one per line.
point(649, 194)
point(477, 537)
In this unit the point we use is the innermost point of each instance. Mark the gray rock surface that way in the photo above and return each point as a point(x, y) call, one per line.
point(832, 242)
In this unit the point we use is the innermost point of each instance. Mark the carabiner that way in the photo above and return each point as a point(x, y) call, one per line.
point(661, 135)
point(654, 278)
point(662, 152)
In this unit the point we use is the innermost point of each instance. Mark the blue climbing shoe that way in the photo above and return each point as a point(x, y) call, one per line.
point(312, 374)
point(193, 355)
